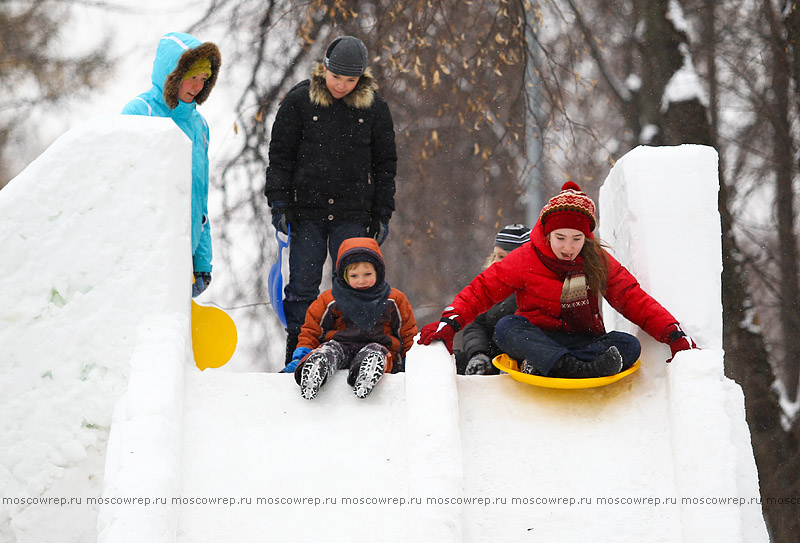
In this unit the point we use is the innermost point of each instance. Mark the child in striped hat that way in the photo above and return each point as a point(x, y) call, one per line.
point(557, 278)
point(477, 338)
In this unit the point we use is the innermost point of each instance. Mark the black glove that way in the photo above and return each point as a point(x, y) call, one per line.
point(201, 282)
point(281, 217)
point(379, 229)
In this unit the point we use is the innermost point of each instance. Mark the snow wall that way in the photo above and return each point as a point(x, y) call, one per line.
point(659, 213)
point(95, 265)
point(95, 240)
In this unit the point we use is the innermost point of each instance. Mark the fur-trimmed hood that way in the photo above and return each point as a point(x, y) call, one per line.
point(361, 97)
point(175, 55)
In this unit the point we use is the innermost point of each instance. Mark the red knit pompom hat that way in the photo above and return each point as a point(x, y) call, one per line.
point(570, 208)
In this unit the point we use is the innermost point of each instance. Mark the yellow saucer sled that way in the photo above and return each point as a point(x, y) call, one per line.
point(509, 365)
point(213, 336)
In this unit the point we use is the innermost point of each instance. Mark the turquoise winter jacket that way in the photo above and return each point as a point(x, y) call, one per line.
point(175, 54)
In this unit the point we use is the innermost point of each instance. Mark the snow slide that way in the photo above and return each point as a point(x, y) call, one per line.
point(663, 456)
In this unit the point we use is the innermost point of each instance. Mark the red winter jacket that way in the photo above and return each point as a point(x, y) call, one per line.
point(538, 293)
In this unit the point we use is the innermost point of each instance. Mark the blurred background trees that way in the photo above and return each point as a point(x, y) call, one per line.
point(36, 75)
point(496, 104)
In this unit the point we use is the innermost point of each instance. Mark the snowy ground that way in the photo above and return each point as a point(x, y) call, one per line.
point(494, 461)
point(101, 400)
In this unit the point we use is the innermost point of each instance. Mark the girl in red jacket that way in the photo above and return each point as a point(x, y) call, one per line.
point(361, 324)
point(557, 277)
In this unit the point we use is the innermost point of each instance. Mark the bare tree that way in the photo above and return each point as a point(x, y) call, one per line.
point(775, 449)
point(784, 58)
point(33, 74)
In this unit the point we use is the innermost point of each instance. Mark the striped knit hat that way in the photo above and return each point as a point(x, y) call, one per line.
point(570, 208)
point(346, 56)
point(512, 236)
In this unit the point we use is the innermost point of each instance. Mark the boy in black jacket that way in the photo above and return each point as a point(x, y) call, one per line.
point(332, 164)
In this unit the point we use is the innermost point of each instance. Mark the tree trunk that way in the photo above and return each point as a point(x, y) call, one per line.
point(660, 60)
point(784, 151)
point(792, 25)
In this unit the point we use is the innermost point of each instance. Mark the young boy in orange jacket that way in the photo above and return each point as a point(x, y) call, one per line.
point(361, 324)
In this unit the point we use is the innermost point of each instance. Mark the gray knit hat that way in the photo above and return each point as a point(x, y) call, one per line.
point(512, 236)
point(346, 56)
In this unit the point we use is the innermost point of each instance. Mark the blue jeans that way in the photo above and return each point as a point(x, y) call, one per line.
point(309, 246)
point(521, 340)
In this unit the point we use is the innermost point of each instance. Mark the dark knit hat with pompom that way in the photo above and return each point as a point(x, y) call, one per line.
point(570, 208)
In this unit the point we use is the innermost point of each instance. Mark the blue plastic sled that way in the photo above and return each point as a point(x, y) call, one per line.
point(275, 284)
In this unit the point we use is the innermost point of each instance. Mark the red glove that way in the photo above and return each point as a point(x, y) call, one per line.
point(678, 340)
point(444, 330)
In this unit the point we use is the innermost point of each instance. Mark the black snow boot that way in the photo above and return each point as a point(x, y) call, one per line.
point(370, 370)
point(480, 364)
point(608, 363)
point(529, 368)
point(313, 374)
point(318, 367)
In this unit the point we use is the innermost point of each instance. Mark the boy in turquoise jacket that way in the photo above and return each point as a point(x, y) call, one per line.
point(184, 72)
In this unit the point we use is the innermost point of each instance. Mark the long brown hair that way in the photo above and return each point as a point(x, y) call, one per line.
point(595, 263)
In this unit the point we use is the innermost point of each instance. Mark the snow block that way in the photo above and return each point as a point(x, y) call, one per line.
point(659, 213)
point(143, 460)
point(95, 240)
point(434, 461)
point(711, 448)
point(384, 468)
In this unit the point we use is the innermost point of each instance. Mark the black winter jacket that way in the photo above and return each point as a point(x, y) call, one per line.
point(333, 159)
point(478, 336)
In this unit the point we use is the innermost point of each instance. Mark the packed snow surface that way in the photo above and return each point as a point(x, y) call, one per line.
point(104, 411)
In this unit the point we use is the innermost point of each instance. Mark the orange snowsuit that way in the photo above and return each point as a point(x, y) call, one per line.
point(395, 328)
